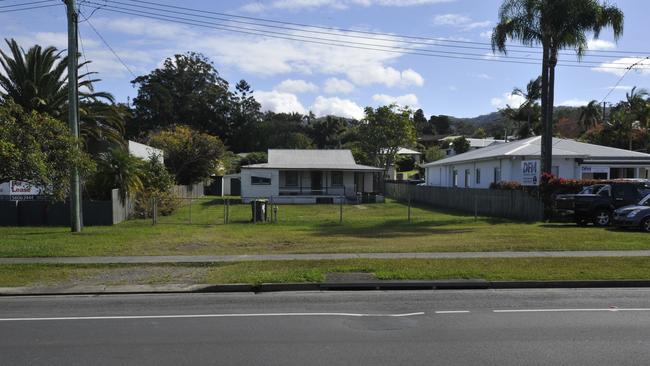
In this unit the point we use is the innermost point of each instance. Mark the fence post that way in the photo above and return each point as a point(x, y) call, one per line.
point(475, 206)
point(408, 190)
point(340, 210)
point(190, 210)
point(254, 211)
point(154, 209)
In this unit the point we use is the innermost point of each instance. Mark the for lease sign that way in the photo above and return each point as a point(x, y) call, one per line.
point(530, 172)
point(18, 190)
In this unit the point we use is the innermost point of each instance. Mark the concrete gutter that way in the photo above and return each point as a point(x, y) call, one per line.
point(325, 286)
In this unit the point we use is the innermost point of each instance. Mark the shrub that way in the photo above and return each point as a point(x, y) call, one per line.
point(157, 184)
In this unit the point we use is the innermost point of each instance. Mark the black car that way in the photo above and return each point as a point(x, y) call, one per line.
point(597, 203)
point(634, 216)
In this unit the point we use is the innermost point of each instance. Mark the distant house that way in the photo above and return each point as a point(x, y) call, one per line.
point(519, 161)
point(403, 152)
point(473, 143)
point(307, 176)
point(145, 152)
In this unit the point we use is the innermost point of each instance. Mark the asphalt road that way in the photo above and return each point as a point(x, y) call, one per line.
point(476, 327)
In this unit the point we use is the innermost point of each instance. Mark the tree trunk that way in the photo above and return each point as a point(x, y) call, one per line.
point(545, 165)
point(548, 127)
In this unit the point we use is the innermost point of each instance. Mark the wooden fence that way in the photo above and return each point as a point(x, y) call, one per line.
point(517, 205)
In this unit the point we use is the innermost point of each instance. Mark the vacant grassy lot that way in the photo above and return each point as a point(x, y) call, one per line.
point(314, 271)
point(311, 229)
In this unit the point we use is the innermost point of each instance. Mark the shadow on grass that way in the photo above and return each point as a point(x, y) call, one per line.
point(391, 229)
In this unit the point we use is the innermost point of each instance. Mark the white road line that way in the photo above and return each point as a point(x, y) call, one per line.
point(568, 310)
point(184, 316)
point(452, 312)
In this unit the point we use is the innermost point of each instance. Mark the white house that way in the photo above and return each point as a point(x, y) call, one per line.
point(306, 176)
point(145, 152)
point(402, 152)
point(519, 161)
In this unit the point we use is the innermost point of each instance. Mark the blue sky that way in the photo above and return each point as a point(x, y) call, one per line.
point(295, 76)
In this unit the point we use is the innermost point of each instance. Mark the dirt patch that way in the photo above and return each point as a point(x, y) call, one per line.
point(190, 247)
point(146, 275)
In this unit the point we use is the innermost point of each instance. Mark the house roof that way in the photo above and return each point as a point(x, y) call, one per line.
point(477, 143)
point(312, 159)
point(563, 148)
point(403, 151)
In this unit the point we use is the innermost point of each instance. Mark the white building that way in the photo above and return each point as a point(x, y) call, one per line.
point(145, 152)
point(402, 152)
point(307, 176)
point(505, 162)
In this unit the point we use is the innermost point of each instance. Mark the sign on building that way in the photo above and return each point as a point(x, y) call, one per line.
point(530, 172)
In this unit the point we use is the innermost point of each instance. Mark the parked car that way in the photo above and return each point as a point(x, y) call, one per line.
point(635, 216)
point(597, 203)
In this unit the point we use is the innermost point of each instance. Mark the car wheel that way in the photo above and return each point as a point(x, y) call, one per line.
point(602, 218)
point(645, 225)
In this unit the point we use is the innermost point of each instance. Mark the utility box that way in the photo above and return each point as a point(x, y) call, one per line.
point(259, 210)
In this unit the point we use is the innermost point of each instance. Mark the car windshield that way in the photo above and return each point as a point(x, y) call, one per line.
point(592, 189)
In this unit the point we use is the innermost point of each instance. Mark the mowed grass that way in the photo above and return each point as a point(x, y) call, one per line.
point(311, 229)
point(594, 268)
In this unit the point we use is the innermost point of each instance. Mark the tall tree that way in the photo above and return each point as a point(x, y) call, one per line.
point(555, 25)
point(190, 155)
point(327, 132)
point(38, 149)
point(590, 115)
point(422, 126)
point(440, 124)
point(36, 81)
point(188, 90)
point(384, 131)
point(245, 118)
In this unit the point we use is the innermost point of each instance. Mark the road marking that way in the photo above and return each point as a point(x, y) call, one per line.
point(185, 316)
point(567, 310)
point(452, 312)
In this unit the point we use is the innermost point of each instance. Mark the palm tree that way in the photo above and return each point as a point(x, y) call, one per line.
point(555, 25)
point(531, 96)
point(637, 104)
point(590, 115)
point(36, 80)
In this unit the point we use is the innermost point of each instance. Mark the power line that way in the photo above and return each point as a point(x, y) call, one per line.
point(334, 42)
point(30, 8)
point(622, 77)
point(28, 3)
point(108, 45)
point(431, 42)
point(357, 31)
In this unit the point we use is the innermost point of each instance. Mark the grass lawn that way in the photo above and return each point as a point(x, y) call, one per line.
point(595, 268)
point(311, 229)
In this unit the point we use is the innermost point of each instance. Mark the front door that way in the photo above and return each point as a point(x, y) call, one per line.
point(316, 182)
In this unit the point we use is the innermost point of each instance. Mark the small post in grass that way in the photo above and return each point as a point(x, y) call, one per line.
point(190, 210)
point(409, 203)
point(254, 211)
point(475, 206)
point(340, 210)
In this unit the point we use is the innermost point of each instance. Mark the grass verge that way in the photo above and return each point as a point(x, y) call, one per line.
point(592, 268)
point(312, 229)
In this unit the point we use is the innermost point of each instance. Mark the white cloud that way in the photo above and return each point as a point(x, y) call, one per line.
point(407, 100)
point(482, 76)
point(486, 34)
point(279, 102)
point(619, 87)
point(600, 44)
point(338, 86)
point(296, 86)
point(295, 5)
point(459, 21)
point(508, 99)
point(336, 106)
point(378, 74)
point(574, 103)
point(618, 66)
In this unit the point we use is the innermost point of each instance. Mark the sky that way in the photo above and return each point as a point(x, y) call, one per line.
point(289, 75)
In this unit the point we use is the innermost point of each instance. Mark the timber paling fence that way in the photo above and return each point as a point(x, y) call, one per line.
point(509, 204)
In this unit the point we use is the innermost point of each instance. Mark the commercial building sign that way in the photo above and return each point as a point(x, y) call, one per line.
point(586, 169)
point(16, 190)
point(530, 172)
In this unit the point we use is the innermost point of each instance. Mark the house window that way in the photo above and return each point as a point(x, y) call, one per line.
point(291, 179)
point(337, 179)
point(497, 174)
point(455, 178)
point(260, 181)
point(478, 176)
point(467, 178)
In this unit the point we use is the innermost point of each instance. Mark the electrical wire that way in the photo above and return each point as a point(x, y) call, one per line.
point(30, 8)
point(618, 82)
point(340, 43)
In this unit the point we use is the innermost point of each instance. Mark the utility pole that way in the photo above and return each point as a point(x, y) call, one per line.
point(76, 219)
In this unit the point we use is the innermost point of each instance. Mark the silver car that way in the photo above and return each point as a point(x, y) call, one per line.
point(637, 215)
